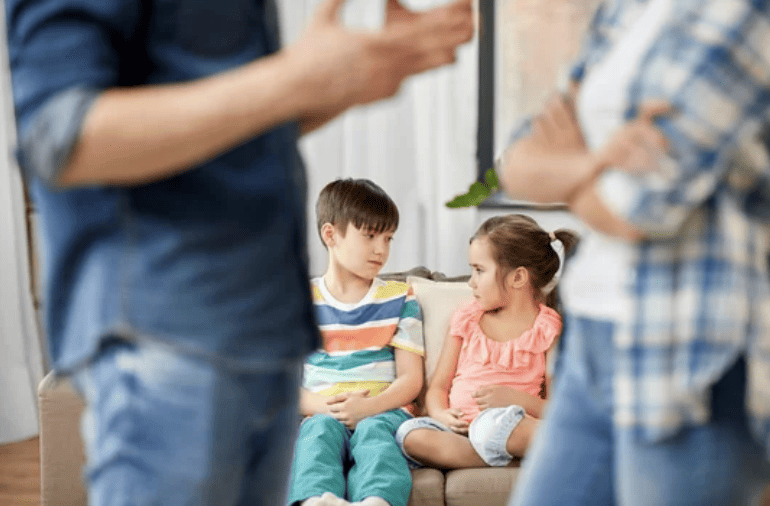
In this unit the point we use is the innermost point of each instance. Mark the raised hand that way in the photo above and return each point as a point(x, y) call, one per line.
point(346, 67)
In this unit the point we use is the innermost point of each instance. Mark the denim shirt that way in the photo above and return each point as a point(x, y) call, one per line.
point(211, 261)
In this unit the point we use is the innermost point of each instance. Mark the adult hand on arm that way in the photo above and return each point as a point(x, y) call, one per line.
point(637, 147)
point(140, 134)
point(550, 162)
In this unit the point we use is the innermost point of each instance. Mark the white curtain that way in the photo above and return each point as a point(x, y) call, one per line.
point(21, 364)
point(419, 146)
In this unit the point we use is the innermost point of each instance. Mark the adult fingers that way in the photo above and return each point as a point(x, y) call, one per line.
point(651, 109)
point(327, 12)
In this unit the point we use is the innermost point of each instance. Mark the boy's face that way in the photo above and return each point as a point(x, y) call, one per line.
point(361, 251)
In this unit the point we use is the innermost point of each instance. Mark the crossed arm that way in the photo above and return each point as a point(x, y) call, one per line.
point(717, 101)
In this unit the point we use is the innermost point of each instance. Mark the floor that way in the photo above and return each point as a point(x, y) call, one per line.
point(20, 473)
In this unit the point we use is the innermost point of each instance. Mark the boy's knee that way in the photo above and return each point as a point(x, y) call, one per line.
point(321, 425)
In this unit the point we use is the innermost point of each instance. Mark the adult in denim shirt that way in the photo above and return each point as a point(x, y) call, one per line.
point(159, 142)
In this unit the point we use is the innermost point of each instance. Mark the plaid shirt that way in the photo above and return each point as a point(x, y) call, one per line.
point(700, 290)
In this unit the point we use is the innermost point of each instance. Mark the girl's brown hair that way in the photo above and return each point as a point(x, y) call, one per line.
point(517, 241)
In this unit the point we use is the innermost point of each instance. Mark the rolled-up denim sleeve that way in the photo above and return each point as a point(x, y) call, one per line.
point(63, 54)
point(712, 64)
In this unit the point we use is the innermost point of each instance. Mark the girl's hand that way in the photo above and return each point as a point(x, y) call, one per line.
point(453, 418)
point(496, 396)
point(638, 145)
point(350, 407)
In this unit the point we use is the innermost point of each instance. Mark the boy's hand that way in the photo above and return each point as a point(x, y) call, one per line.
point(453, 418)
point(637, 146)
point(344, 67)
point(495, 396)
point(350, 407)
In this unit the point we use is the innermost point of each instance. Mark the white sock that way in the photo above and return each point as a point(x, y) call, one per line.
point(329, 499)
point(372, 501)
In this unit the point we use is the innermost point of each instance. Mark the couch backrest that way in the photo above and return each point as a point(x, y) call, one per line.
point(437, 300)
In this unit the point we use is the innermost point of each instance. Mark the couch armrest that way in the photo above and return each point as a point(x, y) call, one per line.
point(61, 449)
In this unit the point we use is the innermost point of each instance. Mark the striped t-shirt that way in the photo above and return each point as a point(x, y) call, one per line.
point(359, 339)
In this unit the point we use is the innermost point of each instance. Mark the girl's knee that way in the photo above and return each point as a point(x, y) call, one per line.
point(521, 436)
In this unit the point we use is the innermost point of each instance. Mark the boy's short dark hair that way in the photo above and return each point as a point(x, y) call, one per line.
point(356, 201)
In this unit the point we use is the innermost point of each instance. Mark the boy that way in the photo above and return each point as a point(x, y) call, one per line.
point(356, 388)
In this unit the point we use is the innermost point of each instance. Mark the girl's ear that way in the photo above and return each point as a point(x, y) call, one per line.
point(327, 234)
point(518, 278)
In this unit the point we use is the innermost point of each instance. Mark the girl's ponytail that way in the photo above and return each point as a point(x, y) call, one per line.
point(569, 241)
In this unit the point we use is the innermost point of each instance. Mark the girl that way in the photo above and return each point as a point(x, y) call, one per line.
point(487, 394)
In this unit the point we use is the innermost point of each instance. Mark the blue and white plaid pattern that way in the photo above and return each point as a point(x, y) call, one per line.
point(701, 290)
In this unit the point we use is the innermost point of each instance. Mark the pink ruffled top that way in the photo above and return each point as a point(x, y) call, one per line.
point(518, 363)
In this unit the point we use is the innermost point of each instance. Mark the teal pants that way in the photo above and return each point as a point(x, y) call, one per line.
point(327, 451)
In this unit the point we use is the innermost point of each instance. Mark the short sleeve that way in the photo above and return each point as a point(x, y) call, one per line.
point(62, 54)
point(409, 335)
point(541, 336)
point(465, 319)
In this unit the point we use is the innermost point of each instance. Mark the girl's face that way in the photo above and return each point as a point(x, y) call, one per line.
point(486, 288)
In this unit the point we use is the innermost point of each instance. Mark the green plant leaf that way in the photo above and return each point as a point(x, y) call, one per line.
point(475, 196)
point(491, 179)
point(477, 193)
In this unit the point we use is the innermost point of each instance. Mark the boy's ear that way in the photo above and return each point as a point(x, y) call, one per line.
point(327, 234)
point(518, 278)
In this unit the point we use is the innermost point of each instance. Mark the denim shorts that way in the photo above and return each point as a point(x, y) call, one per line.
point(165, 428)
point(488, 433)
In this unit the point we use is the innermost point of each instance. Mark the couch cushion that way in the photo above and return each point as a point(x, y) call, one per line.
point(486, 486)
point(427, 487)
point(437, 300)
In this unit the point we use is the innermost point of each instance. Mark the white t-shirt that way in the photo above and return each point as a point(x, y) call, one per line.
point(597, 278)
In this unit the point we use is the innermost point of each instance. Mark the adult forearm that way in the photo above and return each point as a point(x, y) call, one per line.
point(141, 134)
point(588, 206)
point(530, 174)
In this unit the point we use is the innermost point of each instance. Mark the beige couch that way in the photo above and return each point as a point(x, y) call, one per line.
point(62, 452)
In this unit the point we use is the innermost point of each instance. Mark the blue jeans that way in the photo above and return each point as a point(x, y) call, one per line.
point(578, 457)
point(161, 428)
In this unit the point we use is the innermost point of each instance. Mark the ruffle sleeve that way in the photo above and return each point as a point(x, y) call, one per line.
point(540, 337)
point(465, 320)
